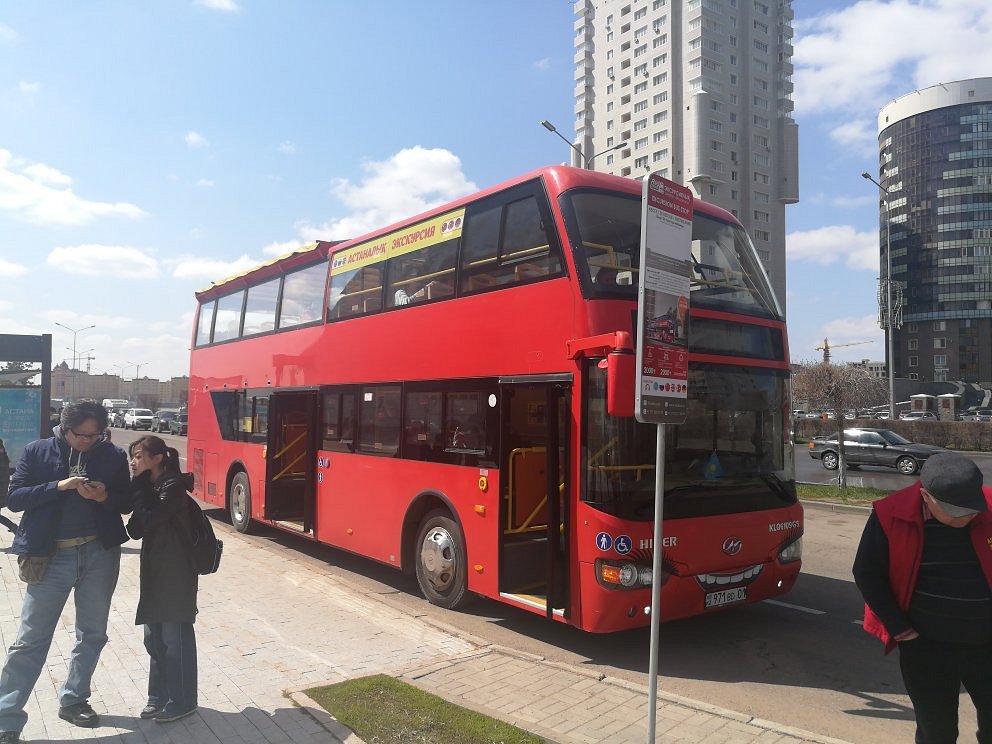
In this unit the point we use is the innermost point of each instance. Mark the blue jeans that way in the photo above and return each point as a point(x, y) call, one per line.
point(90, 571)
point(172, 670)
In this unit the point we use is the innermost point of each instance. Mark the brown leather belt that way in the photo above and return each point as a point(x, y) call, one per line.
point(73, 542)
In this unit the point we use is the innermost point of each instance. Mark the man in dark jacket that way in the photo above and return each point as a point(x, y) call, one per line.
point(73, 489)
point(924, 566)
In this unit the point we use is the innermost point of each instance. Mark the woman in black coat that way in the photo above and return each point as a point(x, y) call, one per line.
point(167, 598)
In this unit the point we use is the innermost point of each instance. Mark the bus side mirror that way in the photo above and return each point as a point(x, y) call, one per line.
point(620, 383)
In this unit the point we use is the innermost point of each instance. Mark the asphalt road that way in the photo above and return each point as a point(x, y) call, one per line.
point(803, 661)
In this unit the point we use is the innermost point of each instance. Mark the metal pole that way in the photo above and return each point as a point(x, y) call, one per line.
point(659, 503)
point(888, 316)
point(889, 340)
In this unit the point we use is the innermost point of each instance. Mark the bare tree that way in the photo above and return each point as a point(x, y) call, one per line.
point(839, 387)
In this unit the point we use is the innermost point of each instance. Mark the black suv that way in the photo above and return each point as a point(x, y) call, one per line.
point(178, 425)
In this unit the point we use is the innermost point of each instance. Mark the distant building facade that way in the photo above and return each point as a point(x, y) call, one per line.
point(73, 384)
point(875, 369)
point(935, 160)
point(700, 91)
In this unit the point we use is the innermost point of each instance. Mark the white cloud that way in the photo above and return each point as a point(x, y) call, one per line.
point(859, 135)
point(103, 260)
point(281, 249)
point(47, 175)
point(9, 269)
point(411, 181)
point(842, 331)
point(844, 63)
point(227, 6)
point(7, 34)
point(543, 64)
point(204, 183)
point(194, 267)
point(835, 243)
point(195, 140)
point(287, 148)
point(30, 192)
point(854, 201)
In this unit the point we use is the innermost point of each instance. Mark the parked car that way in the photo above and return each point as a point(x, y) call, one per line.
point(983, 414)
point(178, 424)
point(919, 416)
point(161, 419)
point(138, 418)
point(117, 419)
point(872, 447)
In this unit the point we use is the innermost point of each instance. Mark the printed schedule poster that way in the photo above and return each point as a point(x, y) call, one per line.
point(20, 412)
point(663, 303)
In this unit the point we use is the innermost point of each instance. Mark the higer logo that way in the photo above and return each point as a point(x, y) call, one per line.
point(732, 545)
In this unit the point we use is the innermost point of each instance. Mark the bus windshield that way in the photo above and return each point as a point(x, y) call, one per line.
point(605, 232)
point(727, 457)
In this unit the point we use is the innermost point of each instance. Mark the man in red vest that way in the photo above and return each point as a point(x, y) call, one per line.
point(924, 566)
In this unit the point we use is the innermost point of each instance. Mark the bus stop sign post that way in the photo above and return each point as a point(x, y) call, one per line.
point(661, 385)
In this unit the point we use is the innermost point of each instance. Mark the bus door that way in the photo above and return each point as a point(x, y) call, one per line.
point(290, 460)
point(534, 491)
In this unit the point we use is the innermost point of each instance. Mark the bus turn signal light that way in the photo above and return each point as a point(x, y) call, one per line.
point(480, 509)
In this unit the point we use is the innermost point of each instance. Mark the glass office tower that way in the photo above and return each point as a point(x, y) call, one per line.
point(935, 161)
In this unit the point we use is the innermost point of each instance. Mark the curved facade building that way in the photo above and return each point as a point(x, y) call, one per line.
point(935, 160)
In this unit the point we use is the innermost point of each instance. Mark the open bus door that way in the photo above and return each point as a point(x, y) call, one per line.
point(290, 460)
point(534, 518)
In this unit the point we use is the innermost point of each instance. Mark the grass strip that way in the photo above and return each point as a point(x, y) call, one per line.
point(837, 495)
point(383, 710)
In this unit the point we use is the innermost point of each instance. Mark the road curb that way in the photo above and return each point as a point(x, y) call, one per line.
point(834, 507)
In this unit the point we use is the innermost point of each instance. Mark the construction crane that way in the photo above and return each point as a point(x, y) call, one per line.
point(826, 347)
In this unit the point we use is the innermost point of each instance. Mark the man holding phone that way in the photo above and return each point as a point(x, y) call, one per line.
point(73, 488)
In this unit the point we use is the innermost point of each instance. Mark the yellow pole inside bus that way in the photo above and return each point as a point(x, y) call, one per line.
point(659, 503)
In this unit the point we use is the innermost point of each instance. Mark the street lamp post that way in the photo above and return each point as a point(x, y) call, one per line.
point(889, 334)
point(74, 332)
point(584, 161)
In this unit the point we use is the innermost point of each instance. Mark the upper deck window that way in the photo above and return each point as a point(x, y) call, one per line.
point(505, 244)
point(227, 324)
point(302, 296)
point(260, 307)
point(605, 232)
point(204, 322)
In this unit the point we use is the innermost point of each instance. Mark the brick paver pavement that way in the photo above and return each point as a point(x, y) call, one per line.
point(274, 622)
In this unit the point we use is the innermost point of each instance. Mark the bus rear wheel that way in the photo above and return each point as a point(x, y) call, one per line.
point(240, 502)
point(441, 561)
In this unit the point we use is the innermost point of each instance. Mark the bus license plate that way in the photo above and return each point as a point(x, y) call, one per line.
point(725, 597)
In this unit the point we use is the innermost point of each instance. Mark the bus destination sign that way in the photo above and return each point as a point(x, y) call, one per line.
point(663, 303)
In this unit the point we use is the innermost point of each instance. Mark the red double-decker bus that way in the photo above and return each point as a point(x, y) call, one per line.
point(453, 396)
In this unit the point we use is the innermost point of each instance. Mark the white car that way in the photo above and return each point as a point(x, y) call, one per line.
point(919, 416)
point(138, 418)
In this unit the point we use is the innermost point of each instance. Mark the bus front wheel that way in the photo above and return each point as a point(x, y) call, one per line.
point(241, 502)
point(442, 570)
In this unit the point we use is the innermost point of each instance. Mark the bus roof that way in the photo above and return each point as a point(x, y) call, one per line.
point(559, 178)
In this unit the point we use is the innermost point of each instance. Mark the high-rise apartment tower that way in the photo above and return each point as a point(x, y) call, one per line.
point(699, 90)
point(935, 162)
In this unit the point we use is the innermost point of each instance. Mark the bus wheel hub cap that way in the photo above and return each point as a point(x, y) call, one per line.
point(437, 558)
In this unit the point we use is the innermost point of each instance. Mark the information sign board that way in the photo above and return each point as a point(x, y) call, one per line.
point(663, 303)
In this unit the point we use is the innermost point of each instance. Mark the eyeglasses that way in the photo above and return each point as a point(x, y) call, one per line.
point(98, 435)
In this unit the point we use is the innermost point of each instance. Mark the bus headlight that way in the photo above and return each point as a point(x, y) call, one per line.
point(791, 552)
point(622, 574)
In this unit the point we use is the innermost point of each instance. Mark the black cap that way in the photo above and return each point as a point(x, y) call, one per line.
point(955, 482)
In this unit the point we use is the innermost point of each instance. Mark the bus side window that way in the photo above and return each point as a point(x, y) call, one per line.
point(507, 244)
point(355, 292)
point(419, 276)
point(379, 420)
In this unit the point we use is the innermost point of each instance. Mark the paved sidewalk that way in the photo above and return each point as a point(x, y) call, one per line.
point(273, 622)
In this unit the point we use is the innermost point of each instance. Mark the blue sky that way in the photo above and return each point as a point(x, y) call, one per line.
point(147, 149)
